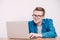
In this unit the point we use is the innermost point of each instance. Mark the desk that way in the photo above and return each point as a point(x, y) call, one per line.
point(58, 38)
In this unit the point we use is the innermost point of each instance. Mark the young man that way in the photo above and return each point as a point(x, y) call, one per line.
point(40, 27)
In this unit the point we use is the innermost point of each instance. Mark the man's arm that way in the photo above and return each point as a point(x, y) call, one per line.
point(51, 33)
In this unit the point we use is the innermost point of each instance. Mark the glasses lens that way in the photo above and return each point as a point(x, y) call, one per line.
point(37, 15)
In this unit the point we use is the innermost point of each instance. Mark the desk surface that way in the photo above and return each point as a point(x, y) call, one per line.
point(30, 39)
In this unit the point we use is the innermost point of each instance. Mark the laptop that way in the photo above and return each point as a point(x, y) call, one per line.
point(17, 29)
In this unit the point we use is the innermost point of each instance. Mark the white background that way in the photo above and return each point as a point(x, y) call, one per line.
point(17, 10)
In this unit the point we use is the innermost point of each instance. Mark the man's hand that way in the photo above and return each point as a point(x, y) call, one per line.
point(34, 35)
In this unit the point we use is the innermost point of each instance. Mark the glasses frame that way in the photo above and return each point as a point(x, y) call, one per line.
point(38, 16)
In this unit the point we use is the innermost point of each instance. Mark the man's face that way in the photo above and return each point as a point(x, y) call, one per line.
point(37, 16)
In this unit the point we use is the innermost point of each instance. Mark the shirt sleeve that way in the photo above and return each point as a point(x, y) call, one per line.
point(51, 33)
point(29, 26)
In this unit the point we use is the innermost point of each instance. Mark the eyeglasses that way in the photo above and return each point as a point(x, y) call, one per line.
point(38, 16)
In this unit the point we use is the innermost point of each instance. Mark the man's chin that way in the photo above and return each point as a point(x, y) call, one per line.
point(36, 22)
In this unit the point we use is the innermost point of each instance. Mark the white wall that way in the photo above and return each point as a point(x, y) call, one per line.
point(16, 10)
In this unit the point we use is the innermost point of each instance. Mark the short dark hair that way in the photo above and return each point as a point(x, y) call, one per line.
point(40, 9)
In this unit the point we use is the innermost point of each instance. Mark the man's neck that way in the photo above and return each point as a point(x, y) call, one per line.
point(39, 24)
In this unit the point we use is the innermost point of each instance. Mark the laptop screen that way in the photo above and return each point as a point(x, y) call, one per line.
point(17, 29)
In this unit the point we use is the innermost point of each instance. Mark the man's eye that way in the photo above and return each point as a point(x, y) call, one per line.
point(40, 15)
point(34, 15)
